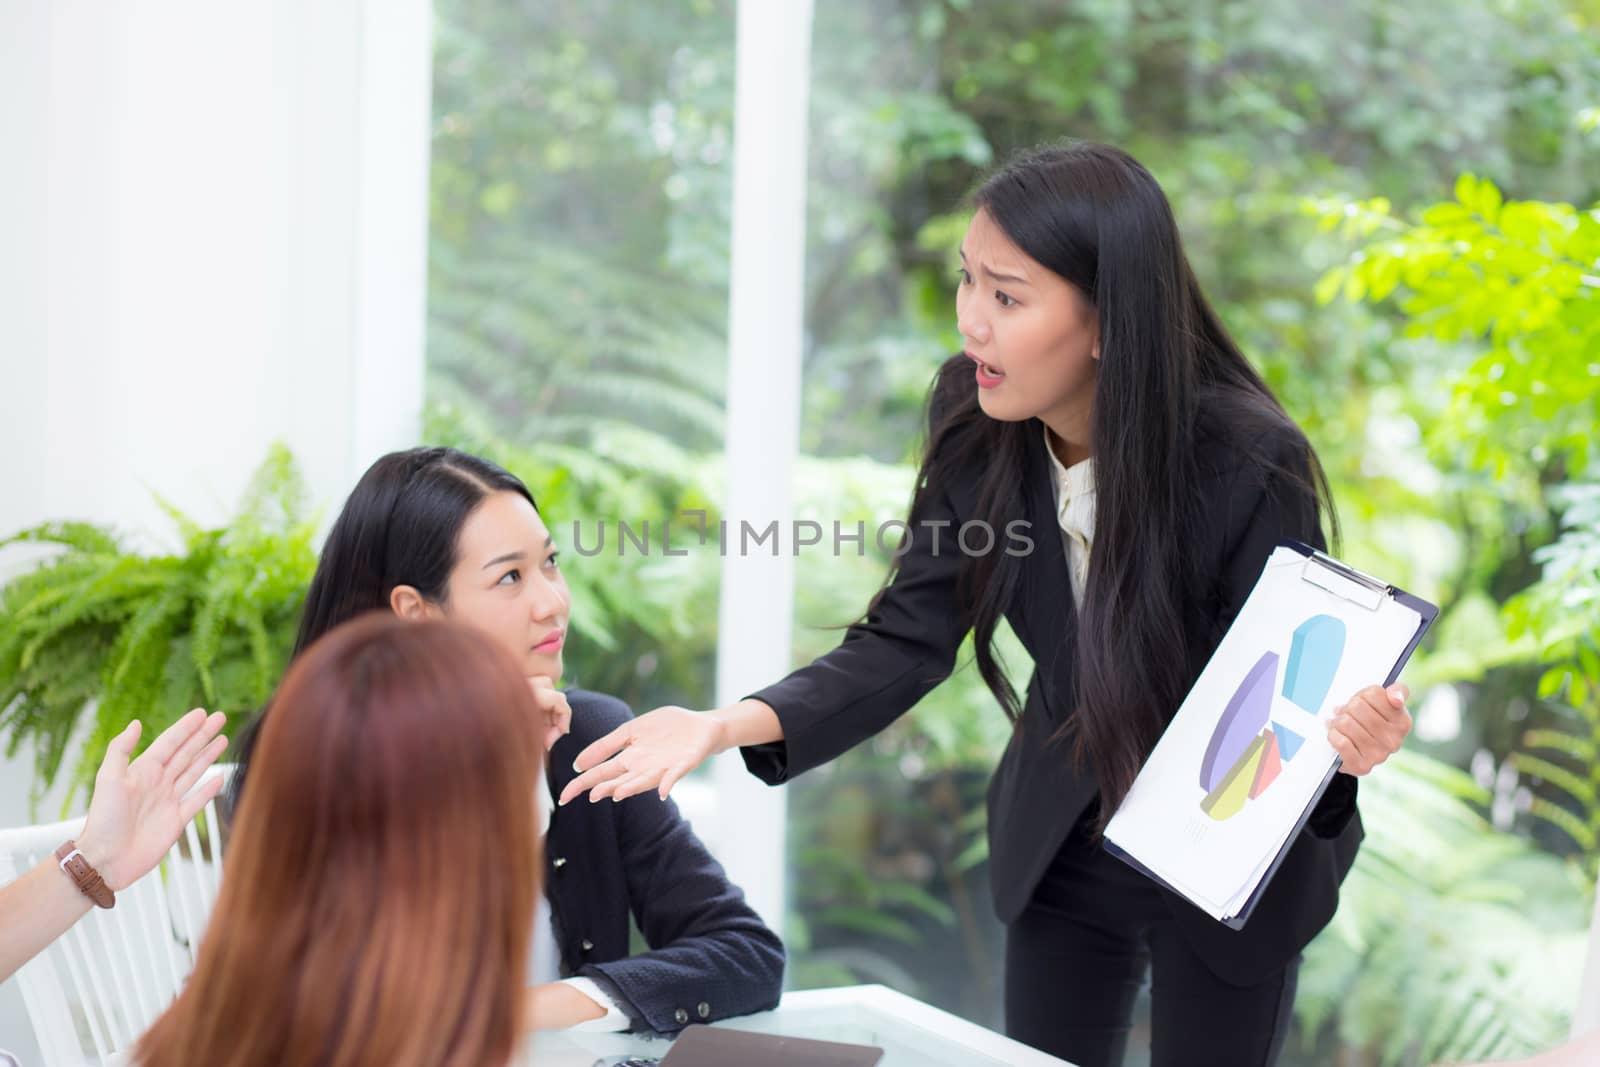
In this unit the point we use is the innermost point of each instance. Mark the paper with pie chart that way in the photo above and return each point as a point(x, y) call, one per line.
point(1247, 752)
point(1248, 748)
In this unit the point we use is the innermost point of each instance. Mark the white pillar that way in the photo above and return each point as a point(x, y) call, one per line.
point(766, 299)
point(391, 239)
point(215, 221)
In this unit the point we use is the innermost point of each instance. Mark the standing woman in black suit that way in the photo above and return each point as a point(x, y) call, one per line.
point(1107, 472)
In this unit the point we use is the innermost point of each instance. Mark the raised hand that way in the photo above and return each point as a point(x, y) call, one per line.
point(138, 810)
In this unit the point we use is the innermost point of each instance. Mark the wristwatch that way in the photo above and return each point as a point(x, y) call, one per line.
point(89, 882)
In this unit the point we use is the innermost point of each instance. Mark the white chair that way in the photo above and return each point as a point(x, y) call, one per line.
point(92, 993)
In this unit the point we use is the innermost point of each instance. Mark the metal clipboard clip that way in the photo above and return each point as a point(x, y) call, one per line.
point(1345, 582)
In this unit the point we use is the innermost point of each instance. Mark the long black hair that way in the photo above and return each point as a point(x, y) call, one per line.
point(399, 526)
point(1168, 372)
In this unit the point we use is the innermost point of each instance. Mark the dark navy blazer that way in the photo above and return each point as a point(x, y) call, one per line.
point(709, 956)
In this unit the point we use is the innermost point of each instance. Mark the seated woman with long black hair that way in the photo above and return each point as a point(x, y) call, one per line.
point(437, 533)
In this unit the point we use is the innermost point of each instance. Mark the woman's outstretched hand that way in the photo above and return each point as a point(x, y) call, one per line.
point(654, 751)
point(658, 748)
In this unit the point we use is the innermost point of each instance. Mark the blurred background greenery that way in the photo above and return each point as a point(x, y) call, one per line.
point(1437, 336)
point(1394, 208)
point(1438, 339)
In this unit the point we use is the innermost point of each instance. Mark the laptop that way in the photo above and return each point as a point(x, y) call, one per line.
point(706, 1046)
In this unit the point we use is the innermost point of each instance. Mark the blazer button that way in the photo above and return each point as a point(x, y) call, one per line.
point(559, 862)
point(704, 1009)
point(681, 1015)
point(588, 946)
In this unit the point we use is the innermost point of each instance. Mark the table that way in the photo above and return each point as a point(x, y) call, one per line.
point(911, 1033)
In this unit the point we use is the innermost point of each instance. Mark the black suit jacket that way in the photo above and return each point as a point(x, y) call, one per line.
point(909, 644)
point(710, 956)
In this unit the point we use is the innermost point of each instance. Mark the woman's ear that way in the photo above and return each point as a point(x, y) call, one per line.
point(406, 602)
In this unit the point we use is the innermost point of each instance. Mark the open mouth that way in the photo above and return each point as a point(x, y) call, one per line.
point(988, 374)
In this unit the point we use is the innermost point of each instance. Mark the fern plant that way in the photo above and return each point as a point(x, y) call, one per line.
point(547, 363)
point(1453, 941)
point(101, 630)
point(1562, 610)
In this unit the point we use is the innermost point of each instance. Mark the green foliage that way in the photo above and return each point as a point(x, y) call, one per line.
point(613, 318)
point(580, 217)
point(1453, 941)
point(1516, 281)
point(1562, 610)
point(1512, 290)
point(888, 862)
point(149, 636)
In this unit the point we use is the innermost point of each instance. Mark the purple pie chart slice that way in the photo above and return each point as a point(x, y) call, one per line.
point(1242, 721)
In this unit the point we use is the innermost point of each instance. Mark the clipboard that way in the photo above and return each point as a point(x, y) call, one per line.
point(1368, 592)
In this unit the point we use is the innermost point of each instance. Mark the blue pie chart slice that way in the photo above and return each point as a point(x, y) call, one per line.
point(1314, 656)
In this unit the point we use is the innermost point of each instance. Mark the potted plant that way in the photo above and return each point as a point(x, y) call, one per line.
point(99, 629)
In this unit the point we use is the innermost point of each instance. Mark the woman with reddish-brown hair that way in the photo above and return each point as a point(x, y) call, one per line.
point(380, 895)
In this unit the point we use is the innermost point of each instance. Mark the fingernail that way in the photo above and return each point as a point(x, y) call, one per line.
point(576, 768)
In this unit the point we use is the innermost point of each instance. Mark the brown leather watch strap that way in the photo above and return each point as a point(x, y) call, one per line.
point(87, 878)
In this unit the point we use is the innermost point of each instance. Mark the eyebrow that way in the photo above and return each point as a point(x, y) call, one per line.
point(996, 275)
point(512, 557)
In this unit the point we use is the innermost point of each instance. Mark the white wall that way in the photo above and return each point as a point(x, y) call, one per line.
point(215, 220)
